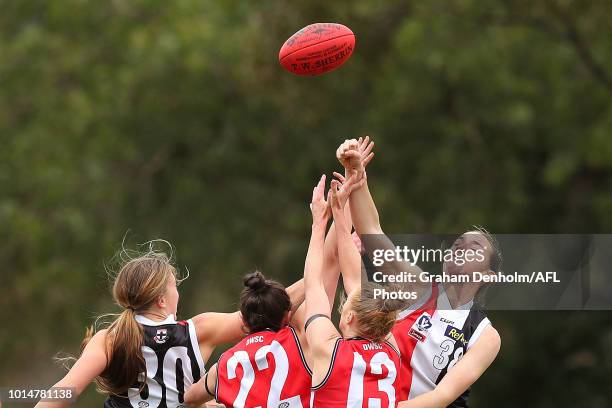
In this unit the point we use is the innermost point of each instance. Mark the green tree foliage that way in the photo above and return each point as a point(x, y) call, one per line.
point(173, 119)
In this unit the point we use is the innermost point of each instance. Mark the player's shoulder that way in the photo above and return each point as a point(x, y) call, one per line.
point(288, 332)
point(100, 337)
point(476, 316)
point(492, 334)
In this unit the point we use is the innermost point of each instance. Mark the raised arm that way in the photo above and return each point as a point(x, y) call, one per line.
point(296, 294)
point(349, 258)
point(317, 301)
point(353, 155)
point(320, 331)
point(330, 278)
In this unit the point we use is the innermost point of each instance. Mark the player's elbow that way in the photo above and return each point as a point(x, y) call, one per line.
point(192, 399)
point(495, 341)
point(369, 227)
point(445, 396)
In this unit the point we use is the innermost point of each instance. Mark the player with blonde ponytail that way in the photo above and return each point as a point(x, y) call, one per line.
point(145, 357)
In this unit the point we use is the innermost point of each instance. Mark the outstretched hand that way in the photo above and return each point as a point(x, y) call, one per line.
point(365, 149)
point(340, 190)
point(349, 156)
point(355, 154)
point(318, 205)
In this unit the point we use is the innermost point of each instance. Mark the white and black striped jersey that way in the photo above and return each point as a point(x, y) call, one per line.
point(432, 337)
point(173, 363)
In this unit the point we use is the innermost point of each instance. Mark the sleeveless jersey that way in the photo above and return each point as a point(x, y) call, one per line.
point(266, 369)
point(173, 363)
point(362, 374)
point(432, 337)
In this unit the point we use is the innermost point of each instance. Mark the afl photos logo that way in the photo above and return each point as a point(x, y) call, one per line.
point(161, 336)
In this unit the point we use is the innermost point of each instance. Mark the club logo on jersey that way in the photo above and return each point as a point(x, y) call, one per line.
point(455, 334)
point(424, 323)
point(162, 336)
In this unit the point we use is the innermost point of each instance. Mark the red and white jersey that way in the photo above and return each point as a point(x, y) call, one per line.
point(432, 337)
point(266, 369)
point(362, 374)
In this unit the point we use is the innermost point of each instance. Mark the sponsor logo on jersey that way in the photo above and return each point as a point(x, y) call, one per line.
point(416, 335)
point(455, 334)
point(284, 405)
point(443, 320)
point(424, 323)
point(143, 404)
point(162, 336)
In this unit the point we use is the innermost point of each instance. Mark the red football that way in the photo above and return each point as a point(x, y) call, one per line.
point(317, 48)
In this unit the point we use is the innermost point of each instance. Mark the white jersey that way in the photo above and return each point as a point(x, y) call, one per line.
point(432, 337)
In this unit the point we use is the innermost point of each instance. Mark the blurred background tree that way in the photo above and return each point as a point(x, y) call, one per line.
point(174, 120)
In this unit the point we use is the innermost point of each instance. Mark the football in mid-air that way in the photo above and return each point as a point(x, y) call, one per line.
point(317, 48)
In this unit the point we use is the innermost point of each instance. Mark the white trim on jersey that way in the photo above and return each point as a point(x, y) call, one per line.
point(476, 335)
point(299, 346)
point(196, 347)
point(331, 366)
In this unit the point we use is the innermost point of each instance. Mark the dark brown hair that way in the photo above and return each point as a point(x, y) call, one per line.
point(263, 303)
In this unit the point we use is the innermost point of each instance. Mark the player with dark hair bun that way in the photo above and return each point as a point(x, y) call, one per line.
point(264, 303)
point(268, 366)
point(271, 365)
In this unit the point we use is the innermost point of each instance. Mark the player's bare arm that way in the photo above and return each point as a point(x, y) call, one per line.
point(321, 333)
point(348, 254)
point(202, 391)
point(354, 155)
point(90, 365)
point(332, 273)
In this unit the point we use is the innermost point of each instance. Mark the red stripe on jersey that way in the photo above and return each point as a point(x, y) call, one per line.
point(362, 374)
point(407, 337)
point(264, 369)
